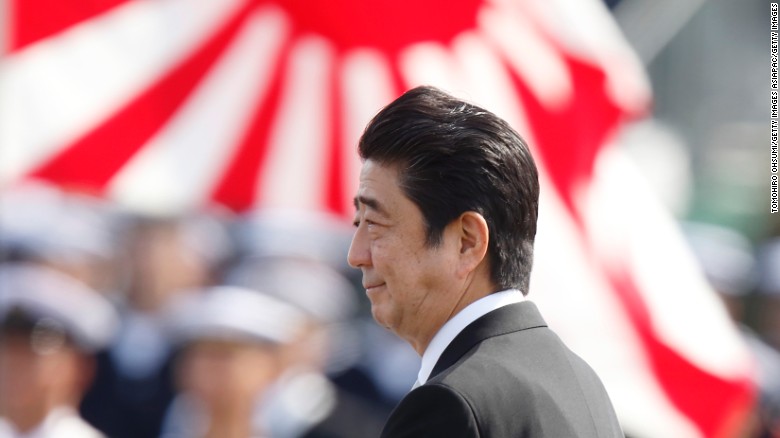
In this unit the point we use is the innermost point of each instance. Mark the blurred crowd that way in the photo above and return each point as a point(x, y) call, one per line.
point(746, 277)
point(118, 324)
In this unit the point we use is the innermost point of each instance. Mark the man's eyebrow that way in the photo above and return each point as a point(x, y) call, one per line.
point(371, 203)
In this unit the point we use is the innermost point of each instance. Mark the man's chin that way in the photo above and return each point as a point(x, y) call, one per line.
point(379, 316)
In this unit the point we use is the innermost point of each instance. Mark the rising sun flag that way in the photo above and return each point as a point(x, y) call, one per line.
point(169, 105)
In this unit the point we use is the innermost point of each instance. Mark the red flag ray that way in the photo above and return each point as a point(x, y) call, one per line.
point(350, 25)
point(368, 80)
point(91, 161)
point(334, 189)
point(239, 184)
point(293, 174)
point(357, 82)
point(569, 137)
point(31, 25)
point(692, 390)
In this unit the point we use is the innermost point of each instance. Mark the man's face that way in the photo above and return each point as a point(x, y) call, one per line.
point(411, 286)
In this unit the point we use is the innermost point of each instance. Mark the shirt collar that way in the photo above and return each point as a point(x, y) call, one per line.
point(47, 427)
point(460, 321)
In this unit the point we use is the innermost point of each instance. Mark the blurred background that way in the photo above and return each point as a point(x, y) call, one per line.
point(176, 182)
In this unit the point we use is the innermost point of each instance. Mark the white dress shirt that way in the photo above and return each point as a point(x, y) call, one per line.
point(63, 422)
point(457, 323)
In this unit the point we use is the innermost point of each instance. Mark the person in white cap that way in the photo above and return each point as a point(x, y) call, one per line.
point(50, 327)
point(232, 342)
point(163, 257)
point(70, 232)
point(307, 401)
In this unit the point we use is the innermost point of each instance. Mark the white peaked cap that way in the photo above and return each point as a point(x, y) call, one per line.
point(292, 233)
point(53, 224)
point(87, 316)
point(233, 313)
point(313, 287)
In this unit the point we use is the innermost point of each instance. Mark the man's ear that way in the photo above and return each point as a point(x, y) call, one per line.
point(473, 244)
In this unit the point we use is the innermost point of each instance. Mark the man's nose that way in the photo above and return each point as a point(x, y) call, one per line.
point(358, 254)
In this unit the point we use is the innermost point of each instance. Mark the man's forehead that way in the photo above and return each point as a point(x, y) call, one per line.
point(377, 182)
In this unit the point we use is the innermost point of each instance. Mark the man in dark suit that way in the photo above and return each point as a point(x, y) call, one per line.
point(445, 225)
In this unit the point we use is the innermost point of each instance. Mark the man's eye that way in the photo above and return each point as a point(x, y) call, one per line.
point(356, 223)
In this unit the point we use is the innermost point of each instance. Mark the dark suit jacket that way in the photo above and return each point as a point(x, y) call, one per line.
point(507, 375)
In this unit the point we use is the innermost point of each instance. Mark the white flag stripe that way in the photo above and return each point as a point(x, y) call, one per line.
point(293, 175)
point(487, 78)
point(432, 64)
point(59, 88)
point(367, 85)
point(580, 306)
point(621, 210)
point(177, 169)
point(537, 63)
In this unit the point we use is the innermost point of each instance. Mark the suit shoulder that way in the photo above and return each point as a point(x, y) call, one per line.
point(530, 381)
point(432, 410)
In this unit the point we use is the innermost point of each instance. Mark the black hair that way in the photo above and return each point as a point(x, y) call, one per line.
point(455, 157)
point(43, 333)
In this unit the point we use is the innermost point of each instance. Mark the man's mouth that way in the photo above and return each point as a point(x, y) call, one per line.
point(373, 286)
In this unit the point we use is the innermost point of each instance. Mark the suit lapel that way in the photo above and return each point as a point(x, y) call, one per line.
point(507, 319)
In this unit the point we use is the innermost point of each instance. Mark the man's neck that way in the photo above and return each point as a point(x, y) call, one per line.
point(459, 322)
point(474, 290)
